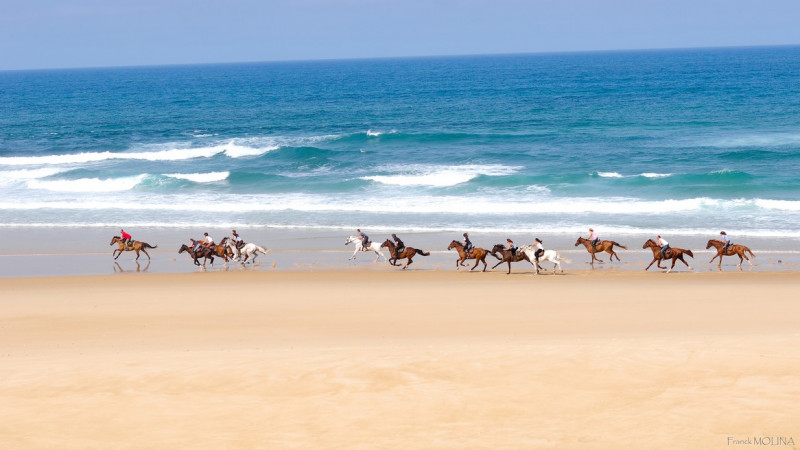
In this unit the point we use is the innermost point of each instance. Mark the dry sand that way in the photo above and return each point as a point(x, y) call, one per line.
point(427, 359)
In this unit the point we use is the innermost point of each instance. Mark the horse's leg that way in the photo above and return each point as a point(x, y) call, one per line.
point(501, 262)
point(684, 261)
point(509, 267)
point(117, 252)
point(408, 262)
point(145, 252)
point(651, 263)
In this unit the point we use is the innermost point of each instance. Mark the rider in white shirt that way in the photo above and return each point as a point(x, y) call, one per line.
point(664, 246)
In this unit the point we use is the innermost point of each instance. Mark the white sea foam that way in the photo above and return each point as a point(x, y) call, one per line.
point(439, 176)
point(13, 176)
point(231, 149)
point(655, 175)
point(609, 175)
point(757, 140)
point(88, 184)
point(209, 177)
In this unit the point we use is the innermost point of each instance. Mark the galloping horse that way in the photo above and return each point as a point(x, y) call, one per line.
point(373, 246)
point(250, 251)
point(203, 252)
point(221, 250)
point(408, 252)
point(137, 246)
point(736, 249)
point(478, 254)
point(603, 246)
point(548, 255)
point(507, 256)
point(674, 253)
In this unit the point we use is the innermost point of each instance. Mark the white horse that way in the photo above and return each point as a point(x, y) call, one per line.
point(548, 255)
point(373, 246)
point(249, 250)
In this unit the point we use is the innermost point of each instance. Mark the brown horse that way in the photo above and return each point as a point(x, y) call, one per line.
point(736, 249)
point(137, 246)
point(477, 253)
point(204, 252)
point(408, 252)
point(508, 257)
point(674, 253)
point(223, 251)
point(603, 246)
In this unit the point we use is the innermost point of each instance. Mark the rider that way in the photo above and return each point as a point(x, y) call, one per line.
point(195, 245)
point(726, 241)
point(237, 240)
point(126, 238)
point(399, 246)
point(209, 241)
point(537, 244)
point(364, 238)
point(593, 238)
point(510, 246)
point(664, 246)
point(467, 245)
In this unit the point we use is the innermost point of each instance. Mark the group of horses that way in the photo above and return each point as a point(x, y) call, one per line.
point(528, 253)
point(226, 249)
point(229, 251)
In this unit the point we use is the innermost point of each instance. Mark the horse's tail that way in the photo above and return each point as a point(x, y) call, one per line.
point(561, 258)
point(747, 249)
point(619, 245)
point(261, 249)
point(146, 245)
point(689, 252)
point(423, 253)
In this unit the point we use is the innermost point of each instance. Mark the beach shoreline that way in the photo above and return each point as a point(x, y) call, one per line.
point(26, 252)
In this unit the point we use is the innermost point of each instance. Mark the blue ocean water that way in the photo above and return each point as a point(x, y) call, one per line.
point(683, 141)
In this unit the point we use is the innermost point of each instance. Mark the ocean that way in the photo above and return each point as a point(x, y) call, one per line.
point(670, 141)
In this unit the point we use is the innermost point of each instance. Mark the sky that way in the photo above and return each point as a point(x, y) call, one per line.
point(39, 34)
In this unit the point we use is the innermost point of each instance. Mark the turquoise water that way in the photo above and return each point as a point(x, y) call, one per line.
point(689, 141)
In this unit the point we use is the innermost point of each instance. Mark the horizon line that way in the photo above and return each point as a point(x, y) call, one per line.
point(378, 58)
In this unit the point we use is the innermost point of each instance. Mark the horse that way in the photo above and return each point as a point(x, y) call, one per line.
point(222, 250)
point(735, 249)
point(673, 252)
point(507, 256)
point(203, 252)
point(250, 251)
point(137, 246)
point(548, 255)
point(373, 246)
point(603, 246)
point(478, 254)
point(408, 253)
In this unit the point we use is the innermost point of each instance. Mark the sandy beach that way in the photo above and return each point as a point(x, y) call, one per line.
point(386, 359)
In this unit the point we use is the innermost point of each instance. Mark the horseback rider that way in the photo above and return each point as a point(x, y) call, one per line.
point(364, 238)
point(664, 247)
point(209, 241)
point(510, 246)
point(126, 238)
point(467, 245)
point(237, 240)
point(195, 245)
point(726, 241)
point(594, 239)
point(399, 246)
point(537, 244)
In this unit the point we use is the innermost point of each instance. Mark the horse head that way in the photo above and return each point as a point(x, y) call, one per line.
point(454, 244)
point(497, 248)
point(387, 243)
point(649, 243)
point(711, 243)
point(351, 239)
point(580, 241)
point(114, 240)
point(184, 248)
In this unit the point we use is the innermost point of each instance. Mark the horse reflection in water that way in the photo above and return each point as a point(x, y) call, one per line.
point(118, 268)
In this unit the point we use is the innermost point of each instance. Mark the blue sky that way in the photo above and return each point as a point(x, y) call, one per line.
point(89, 33)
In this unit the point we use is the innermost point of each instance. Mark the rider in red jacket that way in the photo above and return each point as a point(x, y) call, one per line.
point(126, 238)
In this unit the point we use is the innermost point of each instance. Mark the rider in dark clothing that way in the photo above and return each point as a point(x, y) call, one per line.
point(399, 246)
point(467, 244)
